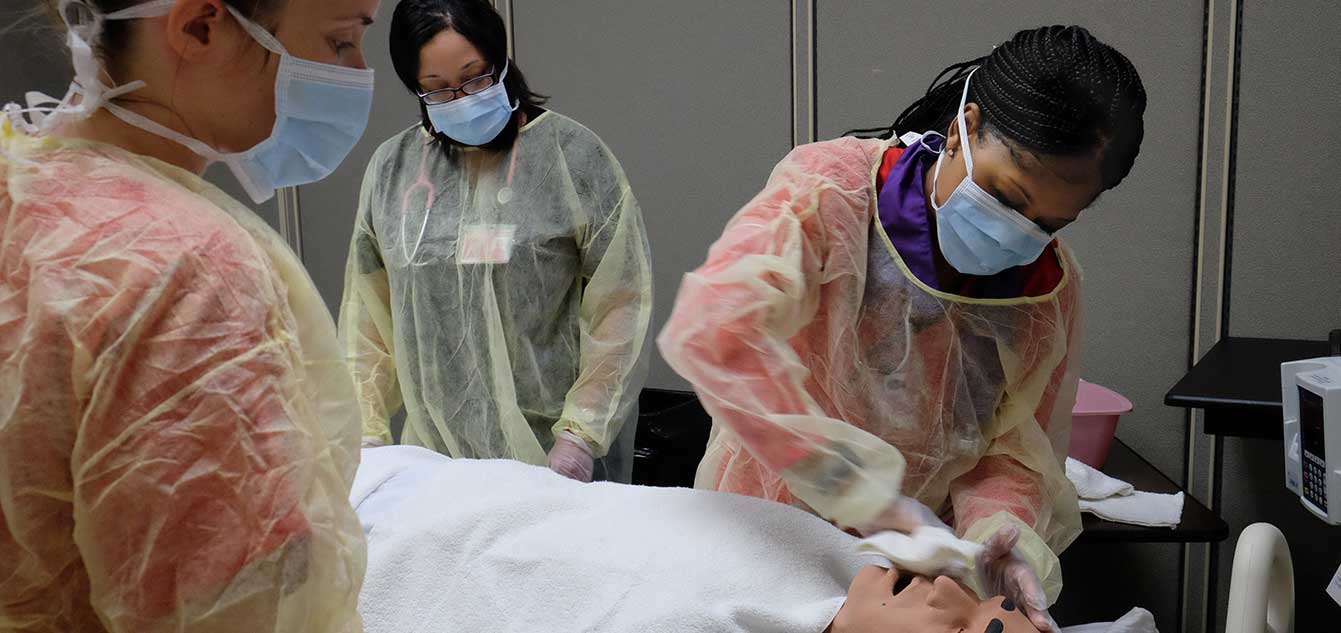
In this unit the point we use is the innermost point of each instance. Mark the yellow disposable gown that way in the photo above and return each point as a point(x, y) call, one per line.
point(177, 429)
point(502, 297)
point(829, 368)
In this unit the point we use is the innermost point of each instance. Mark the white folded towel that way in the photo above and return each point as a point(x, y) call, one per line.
point(1092, 484)
point(1116, 500)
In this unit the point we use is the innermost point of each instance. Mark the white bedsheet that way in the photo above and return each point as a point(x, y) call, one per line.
point(458, 545)
point(500, 546)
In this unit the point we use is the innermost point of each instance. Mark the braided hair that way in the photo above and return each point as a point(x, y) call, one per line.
point(1052, 91)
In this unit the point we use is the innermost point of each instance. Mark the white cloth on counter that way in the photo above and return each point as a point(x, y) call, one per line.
point(1136, 621)
point(1090, 483)
point(500, 546)
point(1116, 500)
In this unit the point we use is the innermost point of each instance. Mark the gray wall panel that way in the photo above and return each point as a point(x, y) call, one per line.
point(1136, 245)
point(694, 99)
point(1285, 268)
point(1287, 214)
point(34, 56)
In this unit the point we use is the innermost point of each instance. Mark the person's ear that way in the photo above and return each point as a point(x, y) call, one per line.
point(952, 139)
point(202, 31)
point(972, 118)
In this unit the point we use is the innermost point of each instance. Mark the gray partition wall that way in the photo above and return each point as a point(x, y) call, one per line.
point(34, 57)
point(1287, 215)
point(1284, 261)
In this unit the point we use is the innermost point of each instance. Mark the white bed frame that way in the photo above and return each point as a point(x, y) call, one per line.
point(1261, 591)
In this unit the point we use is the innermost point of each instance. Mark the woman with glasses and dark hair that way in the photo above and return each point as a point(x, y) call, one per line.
point(499, 280)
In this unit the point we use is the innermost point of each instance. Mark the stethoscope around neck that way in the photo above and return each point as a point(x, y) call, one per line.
point(431, 196)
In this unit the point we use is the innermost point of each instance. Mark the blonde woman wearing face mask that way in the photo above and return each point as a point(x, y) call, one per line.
point(177, 431)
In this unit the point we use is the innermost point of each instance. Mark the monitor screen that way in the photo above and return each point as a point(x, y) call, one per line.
point(1311, 434)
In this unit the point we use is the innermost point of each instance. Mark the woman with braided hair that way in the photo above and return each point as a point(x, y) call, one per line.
point(899, 308)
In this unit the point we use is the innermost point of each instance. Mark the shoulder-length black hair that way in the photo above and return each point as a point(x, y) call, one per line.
point(416, 22)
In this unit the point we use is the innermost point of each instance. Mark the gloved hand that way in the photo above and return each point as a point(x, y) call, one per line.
point(1003, 572)
point(572, 457)
point(905, 515)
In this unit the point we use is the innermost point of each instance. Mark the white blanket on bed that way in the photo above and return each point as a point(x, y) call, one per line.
point(498, 546)
point(461, 545)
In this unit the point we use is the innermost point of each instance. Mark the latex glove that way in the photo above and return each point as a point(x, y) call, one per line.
point(1003, 572)
point(572, 457)
point(905, 515)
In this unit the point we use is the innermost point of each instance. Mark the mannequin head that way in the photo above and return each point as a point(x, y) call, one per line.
point(890, 601)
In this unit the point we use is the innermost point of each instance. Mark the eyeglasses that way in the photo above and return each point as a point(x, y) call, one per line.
point(471, 87)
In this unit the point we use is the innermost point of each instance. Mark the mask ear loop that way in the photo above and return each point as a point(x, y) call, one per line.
point(963, 125)
point(963, 140)
point(263, 37)
point(507, 65)
point(935, 180)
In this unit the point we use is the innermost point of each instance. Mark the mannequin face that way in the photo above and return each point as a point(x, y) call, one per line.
point(888, 601)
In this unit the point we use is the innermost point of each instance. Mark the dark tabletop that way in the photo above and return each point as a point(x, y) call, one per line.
point(1199, 525)
point(1238, 384)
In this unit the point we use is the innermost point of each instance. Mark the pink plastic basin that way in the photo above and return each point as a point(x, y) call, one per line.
point(1094, 422)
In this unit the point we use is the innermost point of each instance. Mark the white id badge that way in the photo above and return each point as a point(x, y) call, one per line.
point(486, 244)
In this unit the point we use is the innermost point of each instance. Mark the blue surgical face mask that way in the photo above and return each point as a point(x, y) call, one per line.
point(978, 234)
point(321, 110)
point(474, 119)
